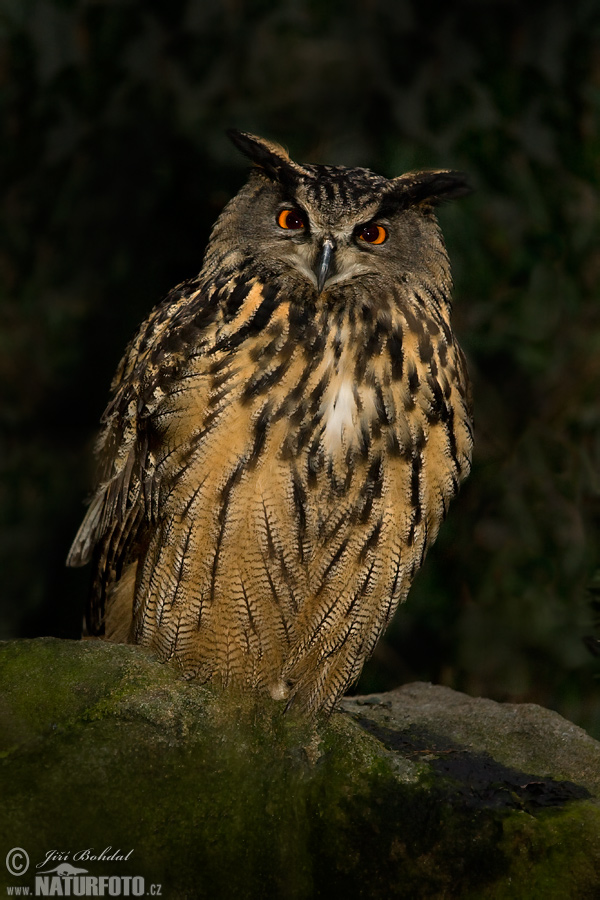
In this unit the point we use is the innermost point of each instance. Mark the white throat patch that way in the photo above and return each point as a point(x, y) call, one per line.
point(339, 415)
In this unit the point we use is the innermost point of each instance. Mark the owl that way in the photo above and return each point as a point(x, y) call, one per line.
point(285, 434)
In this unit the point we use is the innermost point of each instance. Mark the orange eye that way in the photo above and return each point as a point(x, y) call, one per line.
point(373, 234)
point(291, 218)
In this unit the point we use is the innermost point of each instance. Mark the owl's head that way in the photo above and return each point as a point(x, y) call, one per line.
point(332, 224)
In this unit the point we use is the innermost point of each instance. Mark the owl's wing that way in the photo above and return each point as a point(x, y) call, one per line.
point(120, 509)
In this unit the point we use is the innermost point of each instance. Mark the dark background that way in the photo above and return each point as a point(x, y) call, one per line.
point(114, 165)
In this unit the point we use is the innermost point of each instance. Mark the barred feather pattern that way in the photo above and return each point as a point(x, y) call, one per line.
point(276, 462)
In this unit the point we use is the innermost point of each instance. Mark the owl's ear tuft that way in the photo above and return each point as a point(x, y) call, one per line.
point(429, 187)
point(269, 156)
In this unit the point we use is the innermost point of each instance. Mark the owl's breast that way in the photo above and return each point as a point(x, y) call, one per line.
point(339, 415)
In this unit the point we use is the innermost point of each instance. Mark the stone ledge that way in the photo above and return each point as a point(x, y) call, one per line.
point(421, 792)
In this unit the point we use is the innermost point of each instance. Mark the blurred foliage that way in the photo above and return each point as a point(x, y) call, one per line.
point(114, 166)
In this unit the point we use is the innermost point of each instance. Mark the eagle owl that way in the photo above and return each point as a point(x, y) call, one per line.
point(285, 433)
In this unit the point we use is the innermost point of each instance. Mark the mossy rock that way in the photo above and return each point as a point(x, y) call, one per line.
point(422, 792)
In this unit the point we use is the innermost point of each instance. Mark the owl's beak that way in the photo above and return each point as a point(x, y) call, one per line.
point(325, 264)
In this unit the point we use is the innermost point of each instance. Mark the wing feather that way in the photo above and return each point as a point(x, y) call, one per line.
point(114, 527)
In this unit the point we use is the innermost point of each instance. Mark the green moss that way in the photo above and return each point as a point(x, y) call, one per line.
point(552, 856)
point(47, 683)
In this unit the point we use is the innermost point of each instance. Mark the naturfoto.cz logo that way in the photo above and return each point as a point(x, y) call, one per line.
point(66, 880)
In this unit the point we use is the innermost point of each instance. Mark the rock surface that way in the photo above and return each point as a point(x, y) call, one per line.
point(419, 793)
